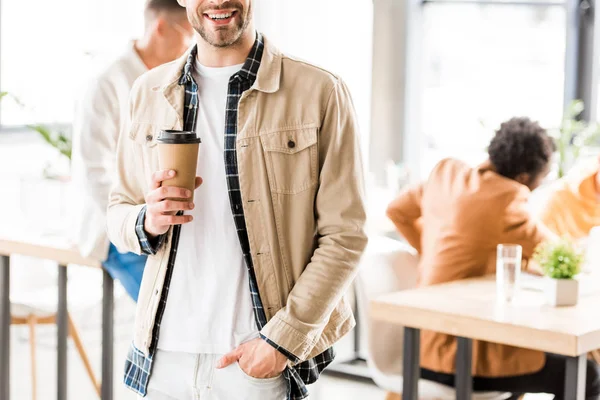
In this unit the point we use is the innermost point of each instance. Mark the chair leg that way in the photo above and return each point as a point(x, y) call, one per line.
point(32, 321)
point(82, 353)
point(393, 396)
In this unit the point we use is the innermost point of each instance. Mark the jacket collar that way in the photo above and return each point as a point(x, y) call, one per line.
point(268, 73)
point(487, 167)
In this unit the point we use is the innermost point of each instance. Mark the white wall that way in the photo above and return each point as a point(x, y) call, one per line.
point(334, 34)
point(48, 49)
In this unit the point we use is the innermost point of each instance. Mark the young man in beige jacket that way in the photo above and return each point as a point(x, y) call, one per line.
point(243, 295)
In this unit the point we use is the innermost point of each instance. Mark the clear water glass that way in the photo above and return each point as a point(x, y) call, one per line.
point(508, 270)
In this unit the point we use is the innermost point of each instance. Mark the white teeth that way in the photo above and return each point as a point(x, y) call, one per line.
point(220, 16)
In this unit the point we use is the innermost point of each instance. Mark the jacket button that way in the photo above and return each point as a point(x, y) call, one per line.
point(291, 144)
point(149, 138)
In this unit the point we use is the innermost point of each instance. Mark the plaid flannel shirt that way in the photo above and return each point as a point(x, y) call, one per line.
point(138, 366)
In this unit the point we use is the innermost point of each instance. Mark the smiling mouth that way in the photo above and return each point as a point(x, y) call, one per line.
point(220, 17)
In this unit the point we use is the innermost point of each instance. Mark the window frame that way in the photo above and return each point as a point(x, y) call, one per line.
point(580, 62)
point(1, 126)
point(579, 83)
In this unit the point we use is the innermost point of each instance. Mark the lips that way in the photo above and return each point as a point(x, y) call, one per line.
point(220, 17)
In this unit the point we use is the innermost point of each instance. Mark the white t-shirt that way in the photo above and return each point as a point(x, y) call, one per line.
point(209, 308)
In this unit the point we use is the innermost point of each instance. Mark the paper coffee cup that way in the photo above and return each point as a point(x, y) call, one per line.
point(178, 150)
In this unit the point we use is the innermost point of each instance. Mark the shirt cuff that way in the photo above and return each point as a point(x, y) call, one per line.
point(149, 246)
point(290, 356)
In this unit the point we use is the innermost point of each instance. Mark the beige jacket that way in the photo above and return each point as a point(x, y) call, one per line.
point(303, 206)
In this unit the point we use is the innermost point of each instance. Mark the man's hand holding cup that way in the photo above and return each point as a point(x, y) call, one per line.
point(172, 188)
point(163, 203)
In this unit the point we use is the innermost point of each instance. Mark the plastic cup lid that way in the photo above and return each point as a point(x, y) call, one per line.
point(178, 137)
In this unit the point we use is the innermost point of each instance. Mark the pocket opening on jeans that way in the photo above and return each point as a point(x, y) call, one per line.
point(264, 381)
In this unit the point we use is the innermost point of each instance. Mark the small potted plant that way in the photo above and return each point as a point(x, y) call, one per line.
point(560, 261)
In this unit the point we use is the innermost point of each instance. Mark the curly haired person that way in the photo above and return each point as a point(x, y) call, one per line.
point(455, 220)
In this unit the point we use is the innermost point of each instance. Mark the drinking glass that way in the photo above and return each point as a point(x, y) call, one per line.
point(508, 270)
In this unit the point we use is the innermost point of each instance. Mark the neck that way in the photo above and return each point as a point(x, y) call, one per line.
point(147, 49)
point(211, 56)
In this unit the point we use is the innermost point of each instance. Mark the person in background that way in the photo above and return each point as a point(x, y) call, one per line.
point(455, 220)
point(573, 206)
point(572, 209)
point(97, 124)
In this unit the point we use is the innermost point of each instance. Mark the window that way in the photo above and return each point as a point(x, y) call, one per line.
point(483, 64)
point(48, 48)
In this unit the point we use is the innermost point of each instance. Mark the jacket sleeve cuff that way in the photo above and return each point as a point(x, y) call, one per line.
point(293, 359)
point(285, 336)
point(148, 246)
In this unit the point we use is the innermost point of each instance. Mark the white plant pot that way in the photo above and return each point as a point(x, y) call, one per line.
point(561, 292)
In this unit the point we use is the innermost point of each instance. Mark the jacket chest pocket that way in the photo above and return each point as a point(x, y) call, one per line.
point(145, 135)
point(292, 160)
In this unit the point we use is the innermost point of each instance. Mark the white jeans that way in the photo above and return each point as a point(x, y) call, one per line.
point(186, 376)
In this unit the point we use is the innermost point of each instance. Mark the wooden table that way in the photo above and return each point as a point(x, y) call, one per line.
point(56, 249)
point(469, 310)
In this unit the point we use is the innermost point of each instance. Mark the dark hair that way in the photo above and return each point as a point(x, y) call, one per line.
point(164, 5)
point(520, 146)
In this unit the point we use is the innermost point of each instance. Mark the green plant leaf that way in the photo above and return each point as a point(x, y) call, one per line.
point(44, 133)
point(573, 136)
point(574, 110)
point(559, 259)
point(58, 140)
point(590, 136)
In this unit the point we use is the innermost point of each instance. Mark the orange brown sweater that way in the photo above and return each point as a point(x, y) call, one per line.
point(573, 208)
point(455, 220)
